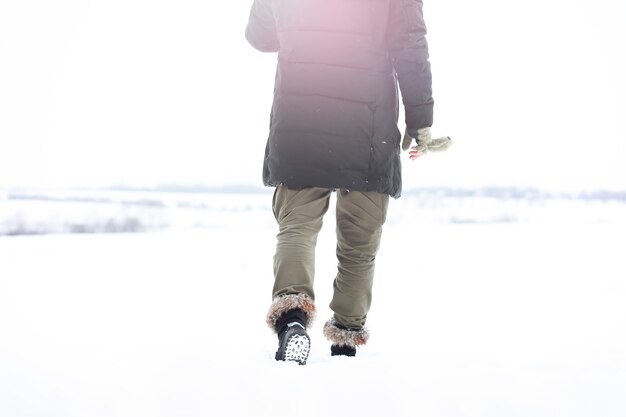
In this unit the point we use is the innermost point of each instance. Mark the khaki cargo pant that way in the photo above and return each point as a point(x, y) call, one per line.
point(360, 217)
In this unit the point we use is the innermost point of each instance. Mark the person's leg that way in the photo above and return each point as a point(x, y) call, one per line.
point(299, 214)
point(360, 217)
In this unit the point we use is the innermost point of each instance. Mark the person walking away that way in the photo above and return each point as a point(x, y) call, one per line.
point(334, 127)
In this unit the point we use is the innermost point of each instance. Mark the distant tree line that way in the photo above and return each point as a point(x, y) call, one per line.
point(516, 193)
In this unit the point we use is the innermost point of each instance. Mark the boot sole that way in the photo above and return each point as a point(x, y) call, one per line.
point(297, 348)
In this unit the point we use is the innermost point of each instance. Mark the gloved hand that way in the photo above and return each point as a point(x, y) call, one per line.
point(424, 141)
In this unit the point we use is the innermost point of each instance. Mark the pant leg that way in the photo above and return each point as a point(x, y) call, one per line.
point(299, 214)
point(360, 217)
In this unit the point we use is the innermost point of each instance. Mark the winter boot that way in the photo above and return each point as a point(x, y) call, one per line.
point(344, 339)
point(294, 343)
point(336, 350)
point(289, 316)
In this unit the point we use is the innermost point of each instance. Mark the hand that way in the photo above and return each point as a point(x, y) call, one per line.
point(415, 153)
point(421, 136)
point(424, 142)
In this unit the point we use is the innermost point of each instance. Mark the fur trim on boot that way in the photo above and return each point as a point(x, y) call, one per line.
point(342, 336)
point(284, 303)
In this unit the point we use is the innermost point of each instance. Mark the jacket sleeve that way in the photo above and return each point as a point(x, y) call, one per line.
point(406, 37)
point(261, 29)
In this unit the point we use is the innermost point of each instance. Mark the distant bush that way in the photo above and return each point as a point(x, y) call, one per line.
point(111, 225)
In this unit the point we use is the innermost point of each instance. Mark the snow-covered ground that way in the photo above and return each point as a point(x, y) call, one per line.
point(492, 316)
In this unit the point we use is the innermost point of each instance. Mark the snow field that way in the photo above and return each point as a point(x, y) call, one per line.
point(496, 319)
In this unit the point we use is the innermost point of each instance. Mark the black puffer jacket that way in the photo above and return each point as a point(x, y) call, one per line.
point(335, 112)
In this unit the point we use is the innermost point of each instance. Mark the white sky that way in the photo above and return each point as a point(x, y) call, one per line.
point(144, 92)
